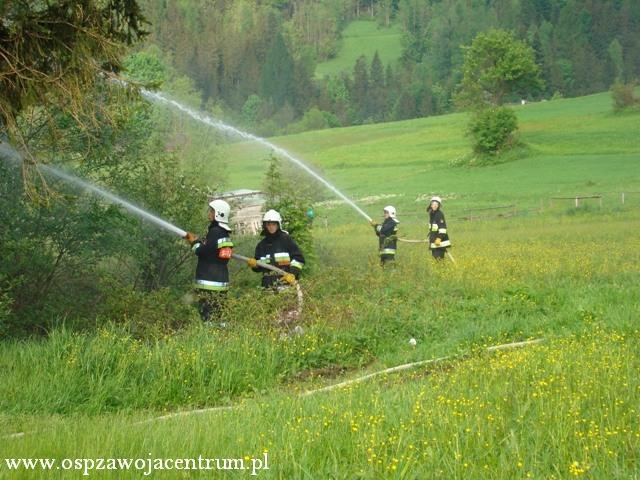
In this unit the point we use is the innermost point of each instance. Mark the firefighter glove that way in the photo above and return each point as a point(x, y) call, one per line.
point(437, 241)
point(190, 238)
point(290, 278)
point(252, 262)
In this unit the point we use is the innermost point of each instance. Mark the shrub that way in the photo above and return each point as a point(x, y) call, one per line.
point(314, 119)
point(623, 96)
point(492, 129)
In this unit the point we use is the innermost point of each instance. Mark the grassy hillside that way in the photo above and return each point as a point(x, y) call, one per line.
point(362, 37)
point(577, 147)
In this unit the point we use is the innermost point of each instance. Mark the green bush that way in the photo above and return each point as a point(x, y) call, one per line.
point(314, 119)
point(493, 130)
point(623, 96)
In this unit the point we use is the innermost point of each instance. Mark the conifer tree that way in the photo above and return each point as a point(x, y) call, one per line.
point(277, 76)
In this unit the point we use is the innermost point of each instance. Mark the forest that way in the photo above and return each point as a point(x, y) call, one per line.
point(254, 61)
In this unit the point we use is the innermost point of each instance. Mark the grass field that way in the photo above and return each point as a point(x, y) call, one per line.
point(576, 147)
point(362, 37)
point(563, 408)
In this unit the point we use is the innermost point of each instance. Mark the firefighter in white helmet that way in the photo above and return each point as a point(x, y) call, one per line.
point(438, 236)
point(277, 248)
point(213, 252)
point(387, 233)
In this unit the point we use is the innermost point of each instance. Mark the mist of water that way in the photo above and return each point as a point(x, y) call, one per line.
point(13, 155)
point(223, 127)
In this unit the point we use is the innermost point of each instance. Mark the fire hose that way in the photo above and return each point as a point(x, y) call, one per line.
point(277, 270)
point(280, 271)
point(405, 240)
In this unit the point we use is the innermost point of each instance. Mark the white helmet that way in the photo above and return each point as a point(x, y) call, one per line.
point(272, 216)
point(390, 210)
point(222, 212)
point(436, 199)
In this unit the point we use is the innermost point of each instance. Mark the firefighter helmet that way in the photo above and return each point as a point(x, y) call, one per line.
point(390, 210)
point(436, 199)
point(222, 212)
point(272, 216)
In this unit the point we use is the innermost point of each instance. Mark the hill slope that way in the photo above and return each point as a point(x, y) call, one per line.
point(362, 37)
point(577, 146)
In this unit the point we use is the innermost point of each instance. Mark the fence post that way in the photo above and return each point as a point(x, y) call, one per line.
point(623, 198)
point(577, 202)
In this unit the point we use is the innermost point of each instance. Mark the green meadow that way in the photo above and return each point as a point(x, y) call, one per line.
point(563, 278)
point(574, 147)
point(362, 37)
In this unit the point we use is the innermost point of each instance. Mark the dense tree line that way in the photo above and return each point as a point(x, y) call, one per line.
point(256, 59)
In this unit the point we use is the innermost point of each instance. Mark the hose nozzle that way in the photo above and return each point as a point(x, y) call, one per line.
point(191, 238)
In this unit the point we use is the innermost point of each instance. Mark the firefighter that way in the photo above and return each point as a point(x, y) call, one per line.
point(277, 248)
point(438, 236)
point(214, 252)
point(387, 234)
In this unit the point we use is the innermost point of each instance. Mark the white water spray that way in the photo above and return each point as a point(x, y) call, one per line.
point(219, 125)
point(12, 154)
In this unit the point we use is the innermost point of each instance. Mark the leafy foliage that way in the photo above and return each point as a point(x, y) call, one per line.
point(47, 250)
point(492, 129)
point(52, 53)
point(74, 243)
point(497, 66)
point(624, 97)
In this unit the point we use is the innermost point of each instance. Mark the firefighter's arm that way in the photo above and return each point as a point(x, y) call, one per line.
point(388, 229)
point(297, 258)
point(442, 230)
point(191, 238)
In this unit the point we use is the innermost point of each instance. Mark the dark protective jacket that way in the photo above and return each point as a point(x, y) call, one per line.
point(213, 255)
point(279, 250)
point(438, 229)
point(387, 238)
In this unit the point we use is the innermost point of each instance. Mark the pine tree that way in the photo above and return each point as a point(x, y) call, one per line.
point(277, 76)
point(413, 15)
point(360, 88)
point(377, 96)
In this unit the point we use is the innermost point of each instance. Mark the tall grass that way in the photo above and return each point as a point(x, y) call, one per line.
point(566, 408)
point(513, 280)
